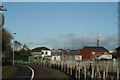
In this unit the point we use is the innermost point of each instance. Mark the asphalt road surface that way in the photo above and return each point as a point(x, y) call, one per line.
point(41, 73)
point(45, 73)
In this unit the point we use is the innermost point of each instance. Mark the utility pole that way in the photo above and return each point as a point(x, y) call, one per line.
point(98, 41)
point(118, 23)
point(2, 21)
point(13, 49)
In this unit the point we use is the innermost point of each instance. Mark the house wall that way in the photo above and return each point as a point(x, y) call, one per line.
point(42, 53)
point(56, 58)
point(78, 57)
point(68, 57)
point(36, 54)
point(86, 54)
point(46, 52)
point(89, 55)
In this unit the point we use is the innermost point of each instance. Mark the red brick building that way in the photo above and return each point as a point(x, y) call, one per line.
point(118, 52)
point(91, 52)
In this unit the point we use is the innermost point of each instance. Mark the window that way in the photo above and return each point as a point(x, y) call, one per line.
point(46, 53)
point(54, 58)
point(93, 52)
point(42, 53)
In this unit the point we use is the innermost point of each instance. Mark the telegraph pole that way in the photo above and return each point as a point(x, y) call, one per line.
point(98, 41)
point(2, 21)
point(13, 49)
point(118, 23)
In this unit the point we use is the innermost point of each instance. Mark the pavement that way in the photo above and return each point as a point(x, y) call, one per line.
point(22, 73)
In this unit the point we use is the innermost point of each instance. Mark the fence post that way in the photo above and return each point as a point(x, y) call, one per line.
point(76, 70)
point(92, 72)
point(79, 73)
point(64, 66)
point(98, 71)
point(118, 73)
point(106, 75)
point(41, 62)
point(84, 71)
point(61, 66)
point(71, 69)
point(68, 68)
point(44, 63)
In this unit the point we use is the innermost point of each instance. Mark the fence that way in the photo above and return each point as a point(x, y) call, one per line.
point(79, 70)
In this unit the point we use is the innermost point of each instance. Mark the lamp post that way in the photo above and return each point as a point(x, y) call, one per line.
point(2, 19)
point(13, 49)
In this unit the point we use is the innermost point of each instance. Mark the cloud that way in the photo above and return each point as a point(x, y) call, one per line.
point(74, 41)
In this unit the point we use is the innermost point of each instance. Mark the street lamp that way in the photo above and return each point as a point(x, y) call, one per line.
point(2, 18)
point(13, 49)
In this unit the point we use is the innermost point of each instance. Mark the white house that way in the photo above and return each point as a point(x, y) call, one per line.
point(56, 55)
point(41, 52)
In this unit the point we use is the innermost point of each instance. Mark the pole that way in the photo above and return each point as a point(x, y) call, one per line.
point(13, 54)
point(85, 71)
point(13, 49)
point(118, 73)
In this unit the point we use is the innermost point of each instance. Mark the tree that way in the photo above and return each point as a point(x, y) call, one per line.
point(6, 42)
point(25, 47)
point(17, 45)
point(23, 52)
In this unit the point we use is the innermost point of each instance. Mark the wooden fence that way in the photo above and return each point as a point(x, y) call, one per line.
point(75, 70)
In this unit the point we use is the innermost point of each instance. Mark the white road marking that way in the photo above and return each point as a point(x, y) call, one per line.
point(32, 72)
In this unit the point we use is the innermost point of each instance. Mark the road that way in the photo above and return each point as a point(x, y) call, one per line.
point(41, 73)
point(45, 73)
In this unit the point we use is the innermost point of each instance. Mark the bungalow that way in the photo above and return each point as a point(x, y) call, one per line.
point(56, 54)
point(72, 55)
point(94, 52)
point(41, 52)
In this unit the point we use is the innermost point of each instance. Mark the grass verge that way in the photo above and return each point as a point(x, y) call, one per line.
point(8, 71)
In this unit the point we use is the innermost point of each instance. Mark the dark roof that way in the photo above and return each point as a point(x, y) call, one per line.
point(38, 49)
point(95, 48)
point(56, 53)
point(73, 52)
point(118, 48)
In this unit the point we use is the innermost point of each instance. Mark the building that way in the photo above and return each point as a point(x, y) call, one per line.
point(118, 52)
point(94, 52)
point(72, 55)
point(41, 52)
point(56, 54)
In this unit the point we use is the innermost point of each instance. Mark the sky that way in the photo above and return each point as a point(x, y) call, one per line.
point(68, 25)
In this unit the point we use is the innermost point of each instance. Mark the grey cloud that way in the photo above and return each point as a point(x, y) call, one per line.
point(74, 41)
